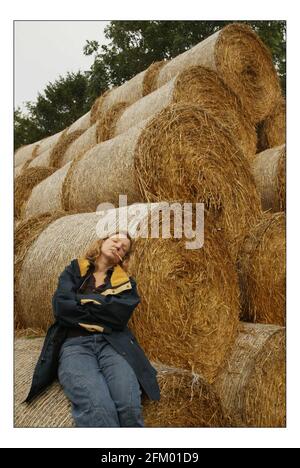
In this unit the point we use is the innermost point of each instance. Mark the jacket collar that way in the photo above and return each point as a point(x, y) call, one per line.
point(119, 275)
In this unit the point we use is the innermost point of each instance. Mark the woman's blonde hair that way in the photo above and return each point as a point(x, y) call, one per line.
point(94, 250)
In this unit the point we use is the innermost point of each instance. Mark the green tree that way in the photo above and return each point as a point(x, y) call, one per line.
point(134, 45)
point(58, 106)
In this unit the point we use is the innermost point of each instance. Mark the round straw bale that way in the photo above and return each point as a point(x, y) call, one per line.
point(197, 85)
point(180, 154)
point(271, 132)
point(186, 399)
point(32, 158)
point(83, 143)
point(107, 122)
point(48, 142)
point(26, 231)
point(47, 197)
point(150, 77)
point(132, 90)
point(62, 145)
point(190, 303)
point(242, 60)
point(262, 271)
point(252, 384)
point(24, 184)
point(96, 108)
point(269, 170)
point(24, 154)
point(81, 124)
point(18, 170)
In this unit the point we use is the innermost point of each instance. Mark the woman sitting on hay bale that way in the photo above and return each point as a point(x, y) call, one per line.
point(99, 362)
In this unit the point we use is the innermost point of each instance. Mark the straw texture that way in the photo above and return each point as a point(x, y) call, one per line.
point(107, 122)
point(25, 233)
point(186, 399)
point(271, 132)
point(47, 195)
point(83, 143)
point(242, 60)
point(197, 85)
point(262, 265)
point(131, 91)
point(252, 384)
point(269, 170)
point(81, 124)
point(24, 184)
point(150, 77)
point(24, 154)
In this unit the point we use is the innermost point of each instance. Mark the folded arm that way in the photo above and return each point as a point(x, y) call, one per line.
point(72, 309)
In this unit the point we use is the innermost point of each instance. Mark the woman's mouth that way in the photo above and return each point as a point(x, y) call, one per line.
point(116, 253)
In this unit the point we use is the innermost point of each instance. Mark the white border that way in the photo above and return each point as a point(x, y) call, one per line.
point(148, 437)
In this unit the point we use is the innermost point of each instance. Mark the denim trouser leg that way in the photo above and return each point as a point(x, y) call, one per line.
point(123, 385)
point(100, 384)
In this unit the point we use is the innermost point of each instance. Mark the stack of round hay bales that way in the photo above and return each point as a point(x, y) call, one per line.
point(271, 132)
point(262, 264)
point(243, 62)
point(180, 154)
point(190, 304)
point(251, 385)
point(194, 85)
point(269, 170)
point(235, 53)
point(248, 392)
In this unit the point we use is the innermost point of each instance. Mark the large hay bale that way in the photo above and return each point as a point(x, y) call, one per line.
point(24, 184)
point(54, 156)
point(262, 270)
point(252, 384)
point(197, 85)
point(82, 124)
point(48, 142)
point(48, 197)
point(180, 154)
point(130, 91)
point(150, 77)
point(24, 154)
point(25, 233)
point(190, 304)
point(186, 399)
point(18, 171)
point(107, 122)
point(271, 132)
point(269, 170)
point(242, 60)
point(86, 141)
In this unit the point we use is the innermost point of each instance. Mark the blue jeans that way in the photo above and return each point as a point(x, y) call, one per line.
point(100, 383)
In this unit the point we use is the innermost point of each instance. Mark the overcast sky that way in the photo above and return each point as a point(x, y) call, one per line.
point(46, 49)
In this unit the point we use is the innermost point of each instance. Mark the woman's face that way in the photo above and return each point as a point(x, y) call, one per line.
point(115, 247)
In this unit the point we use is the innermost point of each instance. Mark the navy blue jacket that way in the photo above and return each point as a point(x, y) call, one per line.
point(107, 312)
